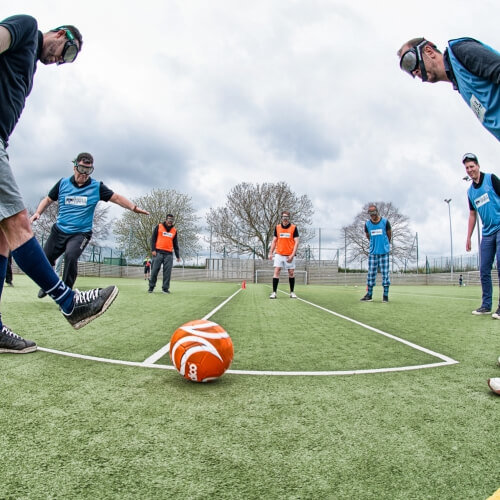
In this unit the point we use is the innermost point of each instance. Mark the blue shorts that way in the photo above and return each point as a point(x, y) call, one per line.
point(11, 201)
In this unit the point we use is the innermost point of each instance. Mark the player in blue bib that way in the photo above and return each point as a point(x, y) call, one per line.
point(77, 198)
point(484, 199)
point(379, 233)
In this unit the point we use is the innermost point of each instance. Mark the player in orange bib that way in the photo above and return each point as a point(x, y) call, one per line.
point(285, 244)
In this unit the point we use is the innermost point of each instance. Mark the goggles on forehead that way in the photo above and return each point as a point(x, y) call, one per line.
point(70, 50)
point(412, 60)
point(84, 169)
point(470, 157)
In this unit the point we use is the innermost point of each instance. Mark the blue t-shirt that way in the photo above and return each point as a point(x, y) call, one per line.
point(17, 67)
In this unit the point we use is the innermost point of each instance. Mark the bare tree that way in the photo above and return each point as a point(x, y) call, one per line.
point(358, 245)
point(100, 227)
point(245, 224)
point(134, 231)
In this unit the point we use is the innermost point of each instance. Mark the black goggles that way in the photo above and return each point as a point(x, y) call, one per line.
point(469, 157)
point(70, 50)
point(83, 169)
point(412, 59)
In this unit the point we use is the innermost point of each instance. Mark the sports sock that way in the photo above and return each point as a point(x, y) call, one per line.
point(292, 283)
point(3, 272)
point(386, 290)
point(33, 262)
point(275, 284)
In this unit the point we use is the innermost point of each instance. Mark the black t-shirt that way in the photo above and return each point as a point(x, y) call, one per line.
point(17, 67)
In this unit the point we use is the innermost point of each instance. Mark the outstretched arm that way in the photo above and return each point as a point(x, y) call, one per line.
point(126, 203)
point(41, 208)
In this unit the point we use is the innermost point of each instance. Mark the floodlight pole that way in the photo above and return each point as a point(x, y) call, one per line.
point(448, 201)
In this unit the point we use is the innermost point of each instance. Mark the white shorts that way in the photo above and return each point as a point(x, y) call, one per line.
point(281, 261)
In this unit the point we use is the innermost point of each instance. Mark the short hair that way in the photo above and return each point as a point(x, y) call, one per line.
point(372, 205)
point(169, 215)
point(85, 157)
point(285, 212)
point(413, 43)
point(74, 31)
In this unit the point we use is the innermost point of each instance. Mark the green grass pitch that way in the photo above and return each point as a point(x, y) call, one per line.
point(78, 428)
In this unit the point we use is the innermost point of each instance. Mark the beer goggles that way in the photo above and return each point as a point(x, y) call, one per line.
point(70, 50)
point(412, 60)
point(469, 157)
point(285, 217)
point(84, 169)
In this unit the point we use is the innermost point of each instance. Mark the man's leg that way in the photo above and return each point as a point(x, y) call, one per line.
point(9, 341)
point(384, 269)
point(8, 275)
point(157, 260)
point(488, 251)
point(53, 249)
point(167, 271)
point(496, 314)
point(75, 245)
point(371, 277)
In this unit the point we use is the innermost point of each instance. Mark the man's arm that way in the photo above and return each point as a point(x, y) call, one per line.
point(5, 39)
point(470, 229)
point(41, 208)
point(176, 248)
point(273, 246)
point(478, 59)
point(154, 236)
point(126, 203)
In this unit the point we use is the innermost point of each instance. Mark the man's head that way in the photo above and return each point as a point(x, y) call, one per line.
point(169, 219)
point(471, 165)
point(285, 217)
point(419, 57)
point(83, 166)
point(61, 45)
point(373, 212)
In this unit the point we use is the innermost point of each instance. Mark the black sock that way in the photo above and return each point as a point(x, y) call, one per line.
point(275, 284)
point(292, 283)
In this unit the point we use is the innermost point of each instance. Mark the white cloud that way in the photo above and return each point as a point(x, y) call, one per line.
point(199, 96)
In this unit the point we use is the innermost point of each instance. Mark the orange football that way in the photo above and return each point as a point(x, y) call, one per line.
point(201, 350)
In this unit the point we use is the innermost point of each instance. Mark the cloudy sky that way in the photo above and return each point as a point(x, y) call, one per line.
point(199, 95)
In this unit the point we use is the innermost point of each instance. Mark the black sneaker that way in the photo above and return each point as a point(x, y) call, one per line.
point(385, 299)
point(90, 305)
point(42, 293)
point(366, 298)
point(11, 342)
point(481, 310)
point(496, 314)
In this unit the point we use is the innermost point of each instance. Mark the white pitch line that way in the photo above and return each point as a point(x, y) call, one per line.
point(150, 364)
point(166, 348)
point(381, 332)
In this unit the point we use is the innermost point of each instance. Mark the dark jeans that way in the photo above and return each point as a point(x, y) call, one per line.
point(165, 259)
point(490, 247)
point(72, 246)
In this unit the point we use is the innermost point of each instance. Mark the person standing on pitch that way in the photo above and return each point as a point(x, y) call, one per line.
point(163, 245)
point(379, 233)
point(77, 197)
point(147, 267)
point(285, 243)
point(22, 45)
point(484, 199)
point(472, 67)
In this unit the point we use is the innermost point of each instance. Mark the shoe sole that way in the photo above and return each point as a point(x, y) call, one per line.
point(26, 350)
point(495, 316)
point(106, 305)
point(475, 313)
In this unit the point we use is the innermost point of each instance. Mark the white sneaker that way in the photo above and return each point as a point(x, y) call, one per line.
point(494, 384)
point(273, 295)
point(292, 295)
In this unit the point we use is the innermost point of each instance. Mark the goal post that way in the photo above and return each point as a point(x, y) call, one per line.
point(266, 276)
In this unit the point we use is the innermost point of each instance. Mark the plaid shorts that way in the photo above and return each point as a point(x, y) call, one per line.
point(374, 262)
point(11, 201)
